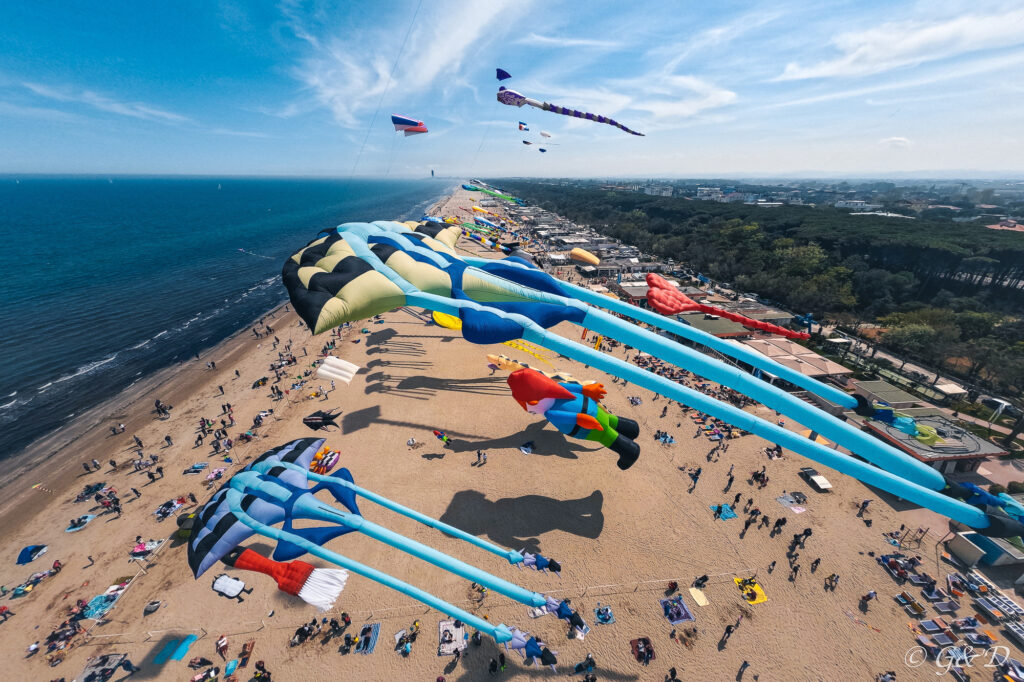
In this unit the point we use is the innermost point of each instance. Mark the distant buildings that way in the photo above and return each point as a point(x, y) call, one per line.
point(857, 205)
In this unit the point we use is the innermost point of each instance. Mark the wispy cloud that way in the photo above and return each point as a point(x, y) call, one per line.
point(101, 102)
point(538, 40)
point(340, 73)
point(898, 44)
point(38, 113)
point(968, 69)
point(895, 142)
point(237, 133)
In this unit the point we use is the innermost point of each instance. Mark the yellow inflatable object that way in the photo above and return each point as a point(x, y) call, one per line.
point(583, 256)
point(530, 349)
point(509, 365)
point(447, 321)
point(754, 588)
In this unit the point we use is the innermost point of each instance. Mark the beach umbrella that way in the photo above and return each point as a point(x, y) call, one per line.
point(29, 554)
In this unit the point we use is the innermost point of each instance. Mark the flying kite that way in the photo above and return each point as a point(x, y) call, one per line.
point(515, 99)
point(274, 489)
point(526, 142)
point(575, 410)
point(668, 300)
point(358, 270)
point(541, 149)
point(321, 420)
point(409, 126)
point(503, 74)
point(499, 195)
point(583, 256)
point(545, 133)
point(522, 126)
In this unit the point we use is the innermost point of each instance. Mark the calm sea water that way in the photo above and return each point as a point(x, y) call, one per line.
point(107, 280)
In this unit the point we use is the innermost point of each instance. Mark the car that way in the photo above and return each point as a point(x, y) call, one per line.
point(815, 480)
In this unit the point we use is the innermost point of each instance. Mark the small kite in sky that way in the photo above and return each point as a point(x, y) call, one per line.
point(409, 126)
point(503, 74)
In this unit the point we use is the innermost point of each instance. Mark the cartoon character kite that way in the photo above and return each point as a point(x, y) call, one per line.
point(575, 411)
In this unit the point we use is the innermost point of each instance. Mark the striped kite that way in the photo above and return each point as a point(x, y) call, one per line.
point(515, 99)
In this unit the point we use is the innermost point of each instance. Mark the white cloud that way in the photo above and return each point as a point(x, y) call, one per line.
point(897, 44)
point(349, 75)
point(969, 69)
point(103, 103)
point(538, 40)
point(895, 142)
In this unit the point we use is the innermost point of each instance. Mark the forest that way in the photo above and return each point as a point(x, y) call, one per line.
point(950, 294)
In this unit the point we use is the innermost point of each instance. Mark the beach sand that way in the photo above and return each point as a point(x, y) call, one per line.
point(620, 536)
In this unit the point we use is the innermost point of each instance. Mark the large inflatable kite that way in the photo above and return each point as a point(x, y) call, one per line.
point(274, 489)
point(409, 126)
point(668, 300)
point(574, 410)
point(358, 270)
point(515, 99)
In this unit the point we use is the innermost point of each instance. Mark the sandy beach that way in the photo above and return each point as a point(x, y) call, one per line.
point(620, 537)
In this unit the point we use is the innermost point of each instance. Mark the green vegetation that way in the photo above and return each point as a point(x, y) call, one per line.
point(949, 294)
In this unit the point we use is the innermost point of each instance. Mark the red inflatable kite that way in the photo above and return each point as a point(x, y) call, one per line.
point(668, 300)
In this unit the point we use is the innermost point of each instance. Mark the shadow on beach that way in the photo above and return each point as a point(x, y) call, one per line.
point(515, 522)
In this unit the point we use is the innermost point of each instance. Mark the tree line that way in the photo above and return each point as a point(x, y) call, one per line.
point(950, 294)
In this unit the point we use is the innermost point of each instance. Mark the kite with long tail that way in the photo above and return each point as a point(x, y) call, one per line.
point(358, 270)
point(515, 99)
point(274, 489)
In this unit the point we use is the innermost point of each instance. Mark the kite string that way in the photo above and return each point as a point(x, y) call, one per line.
point(387, 86)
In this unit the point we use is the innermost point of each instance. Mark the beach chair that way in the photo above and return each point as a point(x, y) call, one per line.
point(946, 607)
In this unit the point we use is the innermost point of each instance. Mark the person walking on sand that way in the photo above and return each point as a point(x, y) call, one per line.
point(167, 439)
point(863, 508)
point(138, 441)
point(136, 493)
point(96, 464)
point(221, 389)
point(88, 469)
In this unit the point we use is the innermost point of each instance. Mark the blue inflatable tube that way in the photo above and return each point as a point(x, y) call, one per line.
point(871, 475)
point(733, 350)
point(853, 439)
point(500, 633)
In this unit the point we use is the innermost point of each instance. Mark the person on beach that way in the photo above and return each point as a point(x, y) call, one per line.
point(138, 441)
point(96, 464)
point(88, 469)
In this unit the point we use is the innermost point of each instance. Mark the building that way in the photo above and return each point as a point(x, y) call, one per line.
point(797, 357)
point(857, 205)
point(882, 392)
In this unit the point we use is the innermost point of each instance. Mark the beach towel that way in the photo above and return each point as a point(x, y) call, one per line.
point(785, 500)
point(165, 653)
point(85, 517)
point(759, 595)
point(698, 597)
point(674, 609)
point(182, 650)
point(727, 512)
point(99, 605)
point(603, 615)
point(458, 634)
point(364, 646)
point(231, 667)
point(167, 509)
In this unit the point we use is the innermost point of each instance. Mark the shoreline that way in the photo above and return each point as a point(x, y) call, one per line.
point(20, 471)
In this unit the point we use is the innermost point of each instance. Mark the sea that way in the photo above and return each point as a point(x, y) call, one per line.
point(107, 280)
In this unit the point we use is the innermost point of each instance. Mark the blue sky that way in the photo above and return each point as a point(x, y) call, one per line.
point(298, 88)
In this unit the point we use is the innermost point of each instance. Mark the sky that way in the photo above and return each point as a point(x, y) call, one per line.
point(307, 88)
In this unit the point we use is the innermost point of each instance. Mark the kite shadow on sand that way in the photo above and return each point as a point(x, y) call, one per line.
point(420, 385)
point(361, 419)
point(545, 443)
point(517, 521)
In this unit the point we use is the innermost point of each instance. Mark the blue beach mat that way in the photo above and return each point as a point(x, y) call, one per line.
point(603, 619)
point(727, 512)
point(183, 646)
point(369, 647)
point(165, 653)
point(674, 609)
point(87, 517)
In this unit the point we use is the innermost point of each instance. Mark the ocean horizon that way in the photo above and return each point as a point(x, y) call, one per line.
point(112, 278)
